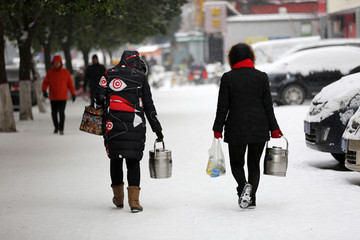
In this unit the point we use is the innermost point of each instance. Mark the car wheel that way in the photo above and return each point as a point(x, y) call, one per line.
point(339, 156)
point(293, 95)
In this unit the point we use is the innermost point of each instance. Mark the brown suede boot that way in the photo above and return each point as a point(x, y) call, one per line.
point(118, 198)
point(133, 195)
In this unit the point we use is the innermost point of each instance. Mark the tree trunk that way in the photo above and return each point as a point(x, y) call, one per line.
point(37, 83)
point(85, 53)
point(47, 56)
point(25, 80)
point(7, 121)
point(104, 58)
point(67, 53)
point(39, 96)
point(111, 57)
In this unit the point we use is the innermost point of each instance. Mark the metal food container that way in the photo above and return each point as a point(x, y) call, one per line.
point(276, 160)
point(160, 162)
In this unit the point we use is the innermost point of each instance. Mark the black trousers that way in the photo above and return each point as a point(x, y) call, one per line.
point(237, 162)
point(58, 110)
point(133, 171)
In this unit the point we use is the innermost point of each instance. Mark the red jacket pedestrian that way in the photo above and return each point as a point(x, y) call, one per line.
point(59, 81)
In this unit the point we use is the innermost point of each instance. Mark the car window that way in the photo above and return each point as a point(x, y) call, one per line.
point(12, 75)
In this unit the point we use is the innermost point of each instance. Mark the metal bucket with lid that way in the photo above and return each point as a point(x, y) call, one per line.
point(276, 160)
point(160, 162)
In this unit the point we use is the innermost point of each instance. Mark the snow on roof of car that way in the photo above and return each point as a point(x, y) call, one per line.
point(324, 43)
point(342, 58)
point(271, 50)
point(334, 97)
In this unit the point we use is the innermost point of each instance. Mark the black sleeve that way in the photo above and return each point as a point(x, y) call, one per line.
point(101, 92)
point(149, 108)
point(268, 105)
point(223, 105)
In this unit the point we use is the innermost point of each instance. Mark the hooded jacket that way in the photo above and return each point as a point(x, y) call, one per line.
point(58, 81)
point(124, 93)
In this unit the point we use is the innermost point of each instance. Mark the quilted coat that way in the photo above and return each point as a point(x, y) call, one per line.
point(125, 94)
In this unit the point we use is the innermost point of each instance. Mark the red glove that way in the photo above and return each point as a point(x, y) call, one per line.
point(276, 133)
point(218, 135)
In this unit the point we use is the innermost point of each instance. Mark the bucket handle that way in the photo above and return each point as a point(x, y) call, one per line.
point(287, 143)
point(156, 141)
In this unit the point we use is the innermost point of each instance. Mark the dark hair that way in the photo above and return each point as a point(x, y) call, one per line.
point(239, 52)
point(94, 56)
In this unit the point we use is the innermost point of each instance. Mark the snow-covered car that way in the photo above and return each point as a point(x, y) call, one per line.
point(329, 114)
point(12, 74)
point(303, 74)
point(351, 142)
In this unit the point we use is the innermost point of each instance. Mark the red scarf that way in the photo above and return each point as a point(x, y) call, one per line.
point(244, 63)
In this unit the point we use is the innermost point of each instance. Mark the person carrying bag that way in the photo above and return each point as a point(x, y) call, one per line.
point(124, 94)
point(245, 109)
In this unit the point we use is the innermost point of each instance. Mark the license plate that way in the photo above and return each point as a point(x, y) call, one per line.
point(307, 128)
point(344, 145)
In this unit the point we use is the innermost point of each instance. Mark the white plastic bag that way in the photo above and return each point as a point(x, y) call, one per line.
point(216, 163)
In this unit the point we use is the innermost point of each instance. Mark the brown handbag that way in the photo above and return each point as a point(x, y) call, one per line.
point(92, 120)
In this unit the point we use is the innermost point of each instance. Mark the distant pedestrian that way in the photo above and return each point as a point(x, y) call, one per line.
point(124, 93)
point(245, 109)
point(59, 82)
point(93, 74)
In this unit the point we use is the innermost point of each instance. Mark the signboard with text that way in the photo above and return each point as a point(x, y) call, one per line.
point(215, 18)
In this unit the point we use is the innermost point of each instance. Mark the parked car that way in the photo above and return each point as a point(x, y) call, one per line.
point(329, 114)
point(351, 142)
point(197, 74)
point(303, 74)
point(12, 73)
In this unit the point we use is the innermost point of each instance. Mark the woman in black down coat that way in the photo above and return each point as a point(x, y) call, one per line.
point(124, 94)
point(245, 109)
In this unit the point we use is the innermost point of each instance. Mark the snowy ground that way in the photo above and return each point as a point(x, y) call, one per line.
point(58, 187)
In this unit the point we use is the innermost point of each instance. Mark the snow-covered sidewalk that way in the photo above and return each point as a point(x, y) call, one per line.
point(58, 187)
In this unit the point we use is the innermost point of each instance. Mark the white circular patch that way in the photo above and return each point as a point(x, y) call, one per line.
point(117, 84)
point(109, 125)
point(103, 81)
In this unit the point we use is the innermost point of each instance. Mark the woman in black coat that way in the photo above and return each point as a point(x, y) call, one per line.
point(245, 109)
point(124, 93)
